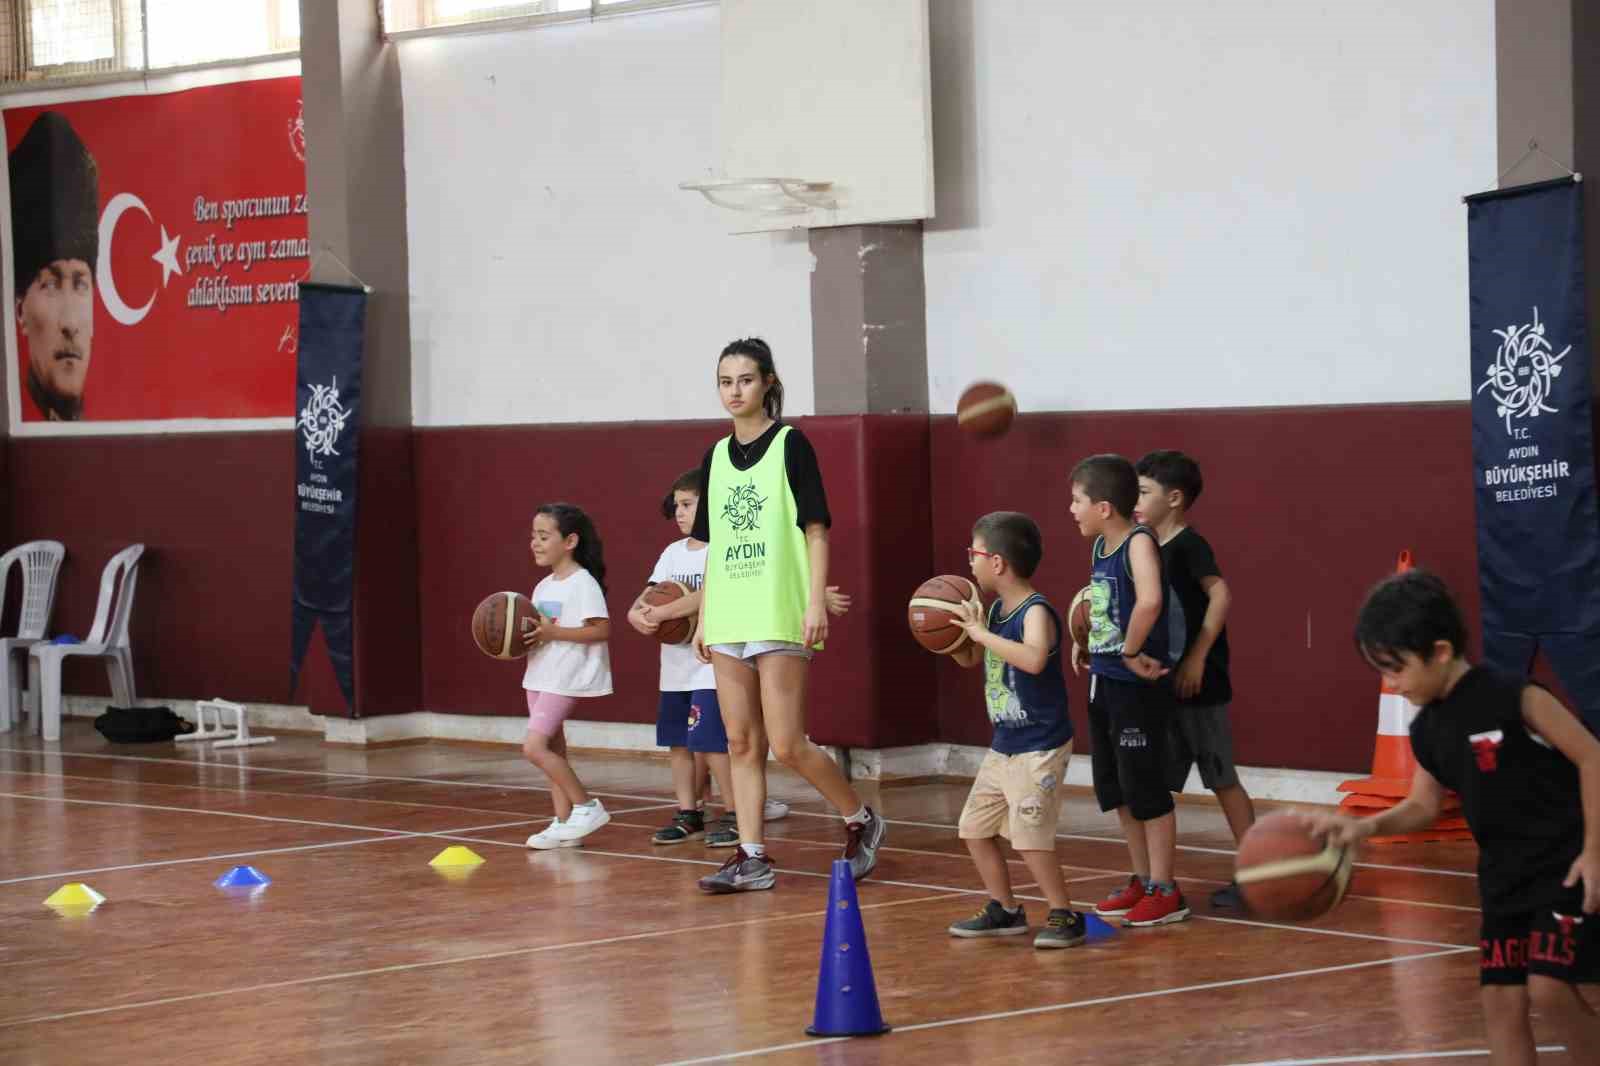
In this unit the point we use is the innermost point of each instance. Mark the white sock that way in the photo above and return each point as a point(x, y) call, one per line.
point(755, 851)
point(859, 817)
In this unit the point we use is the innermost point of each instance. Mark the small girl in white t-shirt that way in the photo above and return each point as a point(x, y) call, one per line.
point(568, 660)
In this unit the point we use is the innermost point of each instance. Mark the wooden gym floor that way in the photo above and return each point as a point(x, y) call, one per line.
point(360, 952)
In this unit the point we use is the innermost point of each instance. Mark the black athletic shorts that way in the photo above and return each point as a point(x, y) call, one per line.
point(1128, 723)
point(1561, 943)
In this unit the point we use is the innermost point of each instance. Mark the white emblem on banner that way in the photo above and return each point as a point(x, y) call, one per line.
point(1523, 373)
point(323, 420)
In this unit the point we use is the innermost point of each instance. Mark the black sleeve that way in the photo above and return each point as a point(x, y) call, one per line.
point(805, 481)
point(1198, 557)
point(702, 518)
point(1421, 749)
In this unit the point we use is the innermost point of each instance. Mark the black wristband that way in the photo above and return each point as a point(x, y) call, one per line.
point(1133, 654)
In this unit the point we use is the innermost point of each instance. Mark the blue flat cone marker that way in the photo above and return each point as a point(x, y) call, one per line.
point(456, 855)
point(1097, 928)
point(77, 894)
point(847, 997)
point(243, 877)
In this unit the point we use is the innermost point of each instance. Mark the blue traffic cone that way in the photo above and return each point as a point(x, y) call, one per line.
point(243, 877)
point(847, 997)
point(1097, 928)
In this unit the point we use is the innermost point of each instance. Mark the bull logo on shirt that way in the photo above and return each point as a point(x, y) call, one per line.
point(1568, 923)
point(1486, 749)
point(743, 509)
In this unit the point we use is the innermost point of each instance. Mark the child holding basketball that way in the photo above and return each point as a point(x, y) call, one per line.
point(1130, 696)
point(688, 717)
point(1528, 774)
point(763, 609)
point(1169, 485)
point(1017, 792)
point(568, 660)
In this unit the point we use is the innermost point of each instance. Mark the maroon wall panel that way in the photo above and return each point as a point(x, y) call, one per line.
point(211, 616)
point(1305, 508)
point(478, 489)
point(388, 639)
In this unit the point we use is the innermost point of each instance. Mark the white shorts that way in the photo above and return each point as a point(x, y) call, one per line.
point(747, 652)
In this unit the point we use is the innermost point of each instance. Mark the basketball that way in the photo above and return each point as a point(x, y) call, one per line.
point(499, 623)
point(674, 630)
point(931, 613)
point(1284, 873)
point(986, 409)
point(1078, 618)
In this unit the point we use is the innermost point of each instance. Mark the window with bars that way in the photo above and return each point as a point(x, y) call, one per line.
point(402, 17)
point(43, 40)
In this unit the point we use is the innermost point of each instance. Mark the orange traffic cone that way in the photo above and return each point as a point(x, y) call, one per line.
point(1394, 765)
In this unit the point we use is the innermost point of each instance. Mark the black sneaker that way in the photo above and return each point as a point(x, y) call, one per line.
point(725, 834)
point(742, 872)
point(993, 920)
point(1063, 929)
point(865, 840)
point(1228, 897)
point(685, 825)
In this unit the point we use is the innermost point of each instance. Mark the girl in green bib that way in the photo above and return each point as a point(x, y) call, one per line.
point(763, 609)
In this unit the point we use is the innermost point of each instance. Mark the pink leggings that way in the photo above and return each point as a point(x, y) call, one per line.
point(546, 712)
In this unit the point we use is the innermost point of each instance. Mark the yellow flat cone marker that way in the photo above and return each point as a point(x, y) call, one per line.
point(456, 855)
point(77, 894)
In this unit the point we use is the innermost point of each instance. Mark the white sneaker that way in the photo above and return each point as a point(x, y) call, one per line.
point(581, 822)
point(547, 838)
point(774, 810)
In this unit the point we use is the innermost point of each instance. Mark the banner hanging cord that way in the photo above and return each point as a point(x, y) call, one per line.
point(328, 251)
point(1534, 149)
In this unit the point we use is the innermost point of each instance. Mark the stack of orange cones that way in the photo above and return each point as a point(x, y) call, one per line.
point(1393, 767)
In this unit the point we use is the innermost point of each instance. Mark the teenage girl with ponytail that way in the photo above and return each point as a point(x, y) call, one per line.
point(763, 610)
point(568, 660)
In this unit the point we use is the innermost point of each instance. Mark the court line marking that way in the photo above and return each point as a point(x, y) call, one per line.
point(1078, 1004)
point(270, 817)
point(254, 791)
point(1082, 904)
point(794, 812)
point(461, 835)
point(435, 963)
point(1100, 873)
point(615, 814)
point(1393, 1056)
point(248, 854)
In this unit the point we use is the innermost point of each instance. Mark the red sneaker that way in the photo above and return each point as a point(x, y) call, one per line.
point(1122, 902)
point(1161, 907)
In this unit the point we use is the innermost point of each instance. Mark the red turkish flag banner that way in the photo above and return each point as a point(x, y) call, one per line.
point(160, 282)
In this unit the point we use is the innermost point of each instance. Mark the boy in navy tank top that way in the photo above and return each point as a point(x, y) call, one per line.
point(1528, 774)
point(1017, 793)
point(1131, 700)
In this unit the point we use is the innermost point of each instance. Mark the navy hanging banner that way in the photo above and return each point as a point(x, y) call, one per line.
point(1532, 434)
point(327, 432)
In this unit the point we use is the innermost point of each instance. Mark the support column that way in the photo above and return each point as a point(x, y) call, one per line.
point(869, 336)
point(355, 181)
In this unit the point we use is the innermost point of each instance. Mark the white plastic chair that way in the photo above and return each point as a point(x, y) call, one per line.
point(40, 561)
point(108, 640)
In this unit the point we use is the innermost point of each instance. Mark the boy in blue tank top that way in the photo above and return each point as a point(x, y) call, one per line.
point(1131, 701)
point(1017, 793)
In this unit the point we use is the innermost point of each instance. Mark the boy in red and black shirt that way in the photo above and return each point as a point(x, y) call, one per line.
point(1528, 774)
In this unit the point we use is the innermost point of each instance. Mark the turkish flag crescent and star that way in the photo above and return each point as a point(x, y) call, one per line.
point(173, 226)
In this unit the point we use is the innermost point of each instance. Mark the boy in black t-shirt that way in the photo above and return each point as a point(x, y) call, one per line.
point(1528, 774)
point(1169, 484)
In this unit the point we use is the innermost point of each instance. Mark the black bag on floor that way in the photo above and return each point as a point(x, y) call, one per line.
point(141, 725)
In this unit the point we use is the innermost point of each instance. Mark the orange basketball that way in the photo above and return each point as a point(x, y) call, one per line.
point(674, 630)
point(1078, 617)
point(499, 623)
point(932, 616)
point(986, 409)
point(1285, 873)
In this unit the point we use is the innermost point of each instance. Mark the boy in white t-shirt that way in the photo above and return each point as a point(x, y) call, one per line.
point(568, 660)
